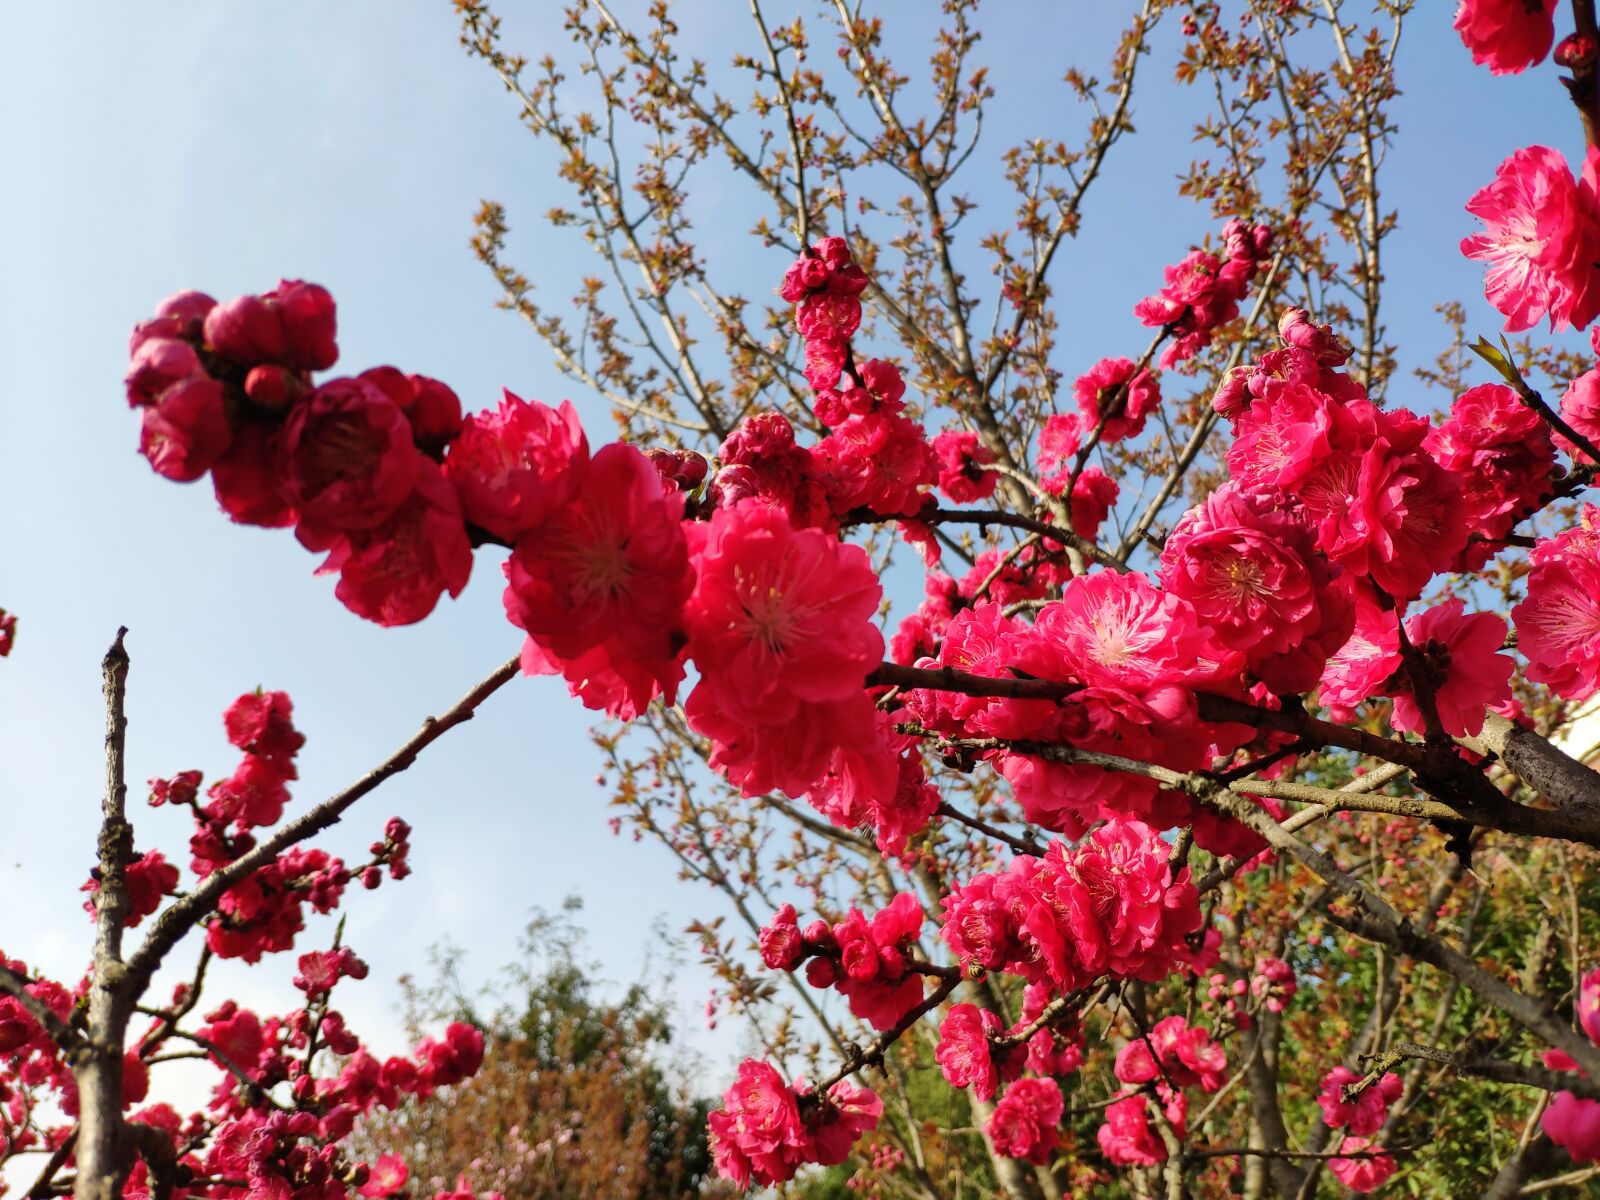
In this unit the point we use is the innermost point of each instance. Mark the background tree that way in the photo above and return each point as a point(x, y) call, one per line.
point(579, 1095)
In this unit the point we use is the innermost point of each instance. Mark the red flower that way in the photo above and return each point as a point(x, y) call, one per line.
point(350, 460)
point(962, 459)
point(262, 723)
point(1542, 239)
point(610, 567)
point(516, 466)
point(1507, 36)
point(186, 430)
point(1026, 1122)
point(395, 573)
point(1466, 673)
point(779, 618)
point(1137, 395)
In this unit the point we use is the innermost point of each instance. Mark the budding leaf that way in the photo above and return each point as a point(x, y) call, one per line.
point(1499, 357)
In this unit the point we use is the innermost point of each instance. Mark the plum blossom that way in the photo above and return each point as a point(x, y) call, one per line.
point(1507, 36)
point(1247, 560)
point(1118, 393)
point(1459, 657)
point(1366, 1173)
point(517, 465)
point(1175, 1052)
point(1364, 1115)
point(1026, 1122)
point(1558, 625)
point(1127, 1138)
point(599, 586)
point(1541, 239)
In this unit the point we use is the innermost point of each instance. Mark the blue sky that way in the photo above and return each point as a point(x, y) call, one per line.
point(148, 148)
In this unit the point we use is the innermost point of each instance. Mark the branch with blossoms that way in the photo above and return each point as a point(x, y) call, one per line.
point(278, 1120)
point(1077, 754)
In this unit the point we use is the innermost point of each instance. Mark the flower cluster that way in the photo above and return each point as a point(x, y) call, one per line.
point(352, 463)
point(274, 1124)
point(1203, 291)
point(767, 1130)
point(1026, 1124)
point(869, 962)
point(1110, 906)
point(1364, 1115)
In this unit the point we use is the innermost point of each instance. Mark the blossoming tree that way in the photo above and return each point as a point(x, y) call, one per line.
point(1157, 833)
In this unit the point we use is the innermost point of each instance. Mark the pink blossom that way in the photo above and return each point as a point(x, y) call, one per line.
point(834, 1123)
point(1408, 522)
point(1127, 1138)
point(1574, 1124)
point(779, 618)
point(1542, 239)
point(432, 408)
point(828, 265)
point(248, 478)
point(1273, 982)
point(781, 946)
point(186, 431)
point(388, 1176)
point(1115, 391)
point(760, 459)
point(879, 785)
point(1174, 1052)
point(1140, 910)
point(1459, 653)
point(1580, 408)
point(1501, 455)
point(1026, 1122)
point(446, 1061)
point(1588, 1004)
point(158, 364)
point(1507, 36)
point(1298, 331)
point(757, 1133)
point(1363, 1174)
point(178, 316)
point(1204, 290)
point(877, 387)
point(612, 677)
point(1248, 562)
point(878, 461)
point(1558, 625)
point(516, 466)
point(292, 325)
point(148, 878)
point(262, 723)
point(1360, 668)
point(962, 459)
point(394, 573)
point(1059, 441)
point(1364, 1115)
point(1288, 435)
point(1093, 496)
point(254, 794)
point(1109, 905)
point(1117, 631)
point(967, 1056)
point(608, 570)
point(349, 460)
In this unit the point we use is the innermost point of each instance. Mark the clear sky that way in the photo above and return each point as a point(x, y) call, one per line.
point(147, 148)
